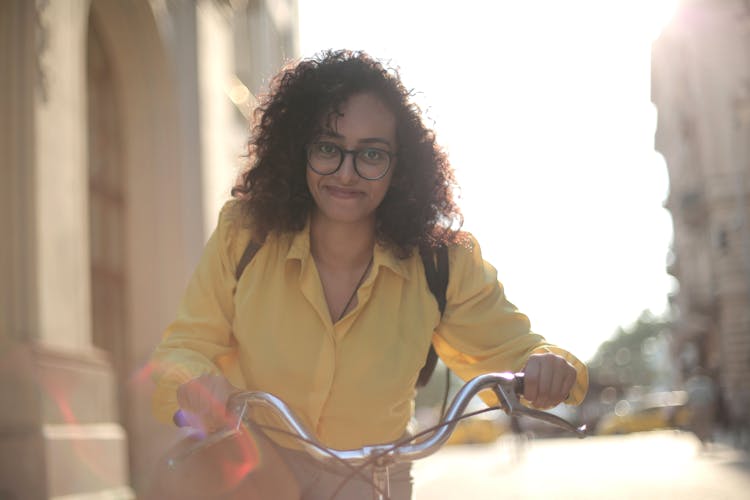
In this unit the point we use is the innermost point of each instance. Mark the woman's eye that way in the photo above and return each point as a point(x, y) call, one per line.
point(372, 154)
point(326, 148)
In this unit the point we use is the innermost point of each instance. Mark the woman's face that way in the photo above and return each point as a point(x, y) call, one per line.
point(344, 196)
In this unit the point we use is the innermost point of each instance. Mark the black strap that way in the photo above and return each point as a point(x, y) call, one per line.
point(250, 250)
point(437, 280)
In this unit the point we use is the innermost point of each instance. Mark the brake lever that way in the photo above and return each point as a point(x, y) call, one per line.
point(507, 392)
point(212, 438)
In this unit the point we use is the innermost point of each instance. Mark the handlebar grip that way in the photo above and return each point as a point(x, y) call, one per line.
point(519, 382)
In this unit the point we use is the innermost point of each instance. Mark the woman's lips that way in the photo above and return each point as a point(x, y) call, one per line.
point(346, 193)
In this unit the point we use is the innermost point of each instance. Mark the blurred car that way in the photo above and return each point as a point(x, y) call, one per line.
point(478, 430)
point(654, 412)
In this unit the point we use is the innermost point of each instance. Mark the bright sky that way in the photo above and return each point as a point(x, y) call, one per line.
point(544, 109)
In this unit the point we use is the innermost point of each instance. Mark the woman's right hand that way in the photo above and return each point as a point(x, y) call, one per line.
point(203, 401)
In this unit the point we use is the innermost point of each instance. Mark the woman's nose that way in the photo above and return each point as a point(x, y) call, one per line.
point(347, 172)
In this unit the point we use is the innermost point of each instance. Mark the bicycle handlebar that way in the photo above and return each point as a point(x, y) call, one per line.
point(506, 387)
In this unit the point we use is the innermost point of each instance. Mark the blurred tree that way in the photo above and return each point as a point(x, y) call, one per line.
point(637, 356)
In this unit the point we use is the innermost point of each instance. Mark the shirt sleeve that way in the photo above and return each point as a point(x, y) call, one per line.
point(199, 340)
point(482, 332)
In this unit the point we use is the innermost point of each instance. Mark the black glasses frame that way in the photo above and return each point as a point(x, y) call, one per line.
point(343, 154)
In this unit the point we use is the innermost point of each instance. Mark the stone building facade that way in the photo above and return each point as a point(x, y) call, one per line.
point(122, 127)
point(701, 89)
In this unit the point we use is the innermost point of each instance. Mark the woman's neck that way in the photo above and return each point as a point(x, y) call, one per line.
point(341, 245)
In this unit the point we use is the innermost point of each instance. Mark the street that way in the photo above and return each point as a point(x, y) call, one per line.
point(654, 465)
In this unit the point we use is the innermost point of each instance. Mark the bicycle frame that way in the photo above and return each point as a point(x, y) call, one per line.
point(505, 385)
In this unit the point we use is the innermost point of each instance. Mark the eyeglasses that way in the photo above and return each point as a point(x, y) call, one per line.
point(325, 158)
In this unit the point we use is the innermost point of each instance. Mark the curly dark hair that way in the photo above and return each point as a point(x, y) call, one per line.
point(418, 210)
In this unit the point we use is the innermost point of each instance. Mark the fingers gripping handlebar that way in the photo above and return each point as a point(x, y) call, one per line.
point(508, 395)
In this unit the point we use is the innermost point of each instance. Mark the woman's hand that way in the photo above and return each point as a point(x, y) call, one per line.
point(548, 381)
point(204, 402)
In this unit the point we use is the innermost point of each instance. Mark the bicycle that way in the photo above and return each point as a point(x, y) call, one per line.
point(506, 387)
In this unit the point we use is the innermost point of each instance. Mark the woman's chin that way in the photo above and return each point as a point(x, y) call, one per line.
point(346, 215)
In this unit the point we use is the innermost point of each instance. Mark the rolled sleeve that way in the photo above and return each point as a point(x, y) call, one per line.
point(481, 331)
point(200, 337)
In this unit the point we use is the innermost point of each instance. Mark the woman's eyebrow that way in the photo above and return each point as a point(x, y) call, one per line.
point(375, 140)
point(330, 133)
point(367, 140)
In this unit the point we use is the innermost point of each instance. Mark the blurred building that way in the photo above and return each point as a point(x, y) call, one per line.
point(701, 88)
point(122, 124)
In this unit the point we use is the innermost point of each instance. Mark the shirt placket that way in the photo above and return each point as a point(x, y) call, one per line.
point(337, 332)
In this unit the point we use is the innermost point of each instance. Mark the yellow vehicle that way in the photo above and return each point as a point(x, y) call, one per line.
point(667, 411)
point(477, 430)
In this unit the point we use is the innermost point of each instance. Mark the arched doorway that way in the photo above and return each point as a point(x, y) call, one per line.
point(136, 214)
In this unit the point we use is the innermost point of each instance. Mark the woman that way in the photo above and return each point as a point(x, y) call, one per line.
point(334, 314)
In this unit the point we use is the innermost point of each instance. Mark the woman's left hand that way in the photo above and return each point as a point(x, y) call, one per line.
point(548, 380)
point(204, 402)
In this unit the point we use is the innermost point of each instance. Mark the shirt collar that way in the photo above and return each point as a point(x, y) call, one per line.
point(384, 257)
point(299, 249)
point(300, 246)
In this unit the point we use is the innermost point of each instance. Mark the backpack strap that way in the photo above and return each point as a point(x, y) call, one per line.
point(250, 250)
point(436, 271)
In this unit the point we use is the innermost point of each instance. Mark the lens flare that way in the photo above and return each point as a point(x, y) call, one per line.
point(143, 374)
point(88, 442)
point(219, 469)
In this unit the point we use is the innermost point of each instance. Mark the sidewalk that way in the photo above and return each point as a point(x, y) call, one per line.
point(650, 465)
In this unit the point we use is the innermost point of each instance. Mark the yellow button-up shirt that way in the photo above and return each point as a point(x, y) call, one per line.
point(353, 381)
